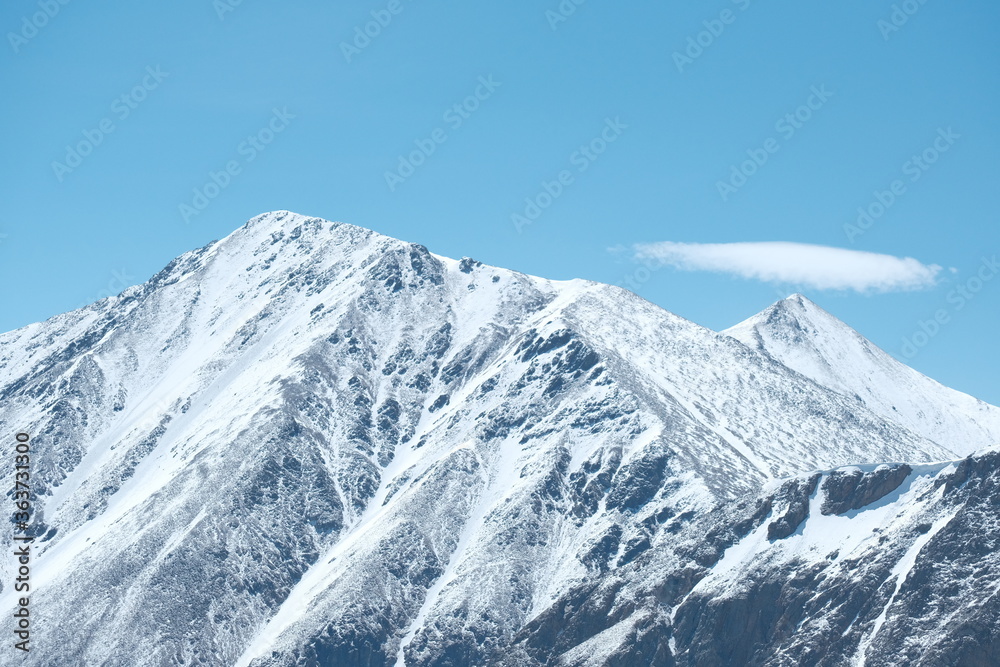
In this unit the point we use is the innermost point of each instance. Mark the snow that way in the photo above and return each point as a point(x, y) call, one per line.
point(809, 340)
point(218, 347)
point(900, 573)
point(601, 646)
point(496, 491)
point(849, 535)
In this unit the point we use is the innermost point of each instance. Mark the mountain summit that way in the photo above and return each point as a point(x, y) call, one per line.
point(804, 337)
point(311, 444)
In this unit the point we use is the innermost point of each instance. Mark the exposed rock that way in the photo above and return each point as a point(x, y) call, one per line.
point(853, 489)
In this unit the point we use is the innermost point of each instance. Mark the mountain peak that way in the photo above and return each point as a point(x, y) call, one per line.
point(800, 305)
point(803, 336)
point(282, 224)
point(272, 221)
point(278, 218)
point(801, 301)
point(795, 321)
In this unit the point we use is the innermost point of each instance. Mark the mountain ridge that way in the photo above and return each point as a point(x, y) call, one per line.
point(309, 421)
point(809, 340)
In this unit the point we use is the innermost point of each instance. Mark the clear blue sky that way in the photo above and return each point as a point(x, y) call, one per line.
point(160, 95)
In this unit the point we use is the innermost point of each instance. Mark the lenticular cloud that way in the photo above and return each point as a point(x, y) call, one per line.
point(819, 267)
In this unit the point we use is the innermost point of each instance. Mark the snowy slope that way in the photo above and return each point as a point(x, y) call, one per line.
point(311, 444)
point(863, 566)
point(801, 335)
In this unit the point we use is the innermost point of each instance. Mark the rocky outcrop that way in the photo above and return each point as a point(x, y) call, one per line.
point(853, 489)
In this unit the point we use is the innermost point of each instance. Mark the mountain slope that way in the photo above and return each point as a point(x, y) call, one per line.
point(871, 565)
point(312, 444)
point(804, 337)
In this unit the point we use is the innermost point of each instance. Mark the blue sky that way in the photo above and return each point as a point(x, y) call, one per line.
point(631, 145)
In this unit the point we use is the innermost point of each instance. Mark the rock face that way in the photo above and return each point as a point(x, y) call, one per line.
point(853, 489)
point(309, 444)
point(796, 495)
point(911, 581)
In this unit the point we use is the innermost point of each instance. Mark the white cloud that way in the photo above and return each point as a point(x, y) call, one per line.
point(818, 267)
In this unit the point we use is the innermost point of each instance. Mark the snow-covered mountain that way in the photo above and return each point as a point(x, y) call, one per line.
point(310, 444)
point(864, 565)
point(804, 337)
